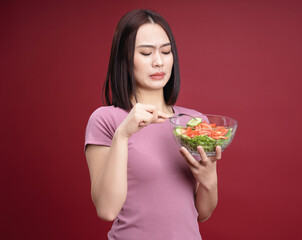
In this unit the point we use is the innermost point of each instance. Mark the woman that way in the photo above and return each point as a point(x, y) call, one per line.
point(139, 178)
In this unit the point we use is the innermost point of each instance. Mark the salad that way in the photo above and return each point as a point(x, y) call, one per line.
point(200, 133)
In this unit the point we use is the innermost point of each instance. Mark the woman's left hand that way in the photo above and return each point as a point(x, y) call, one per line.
point(204, 171)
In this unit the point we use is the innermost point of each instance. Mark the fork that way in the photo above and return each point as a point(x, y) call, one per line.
point(182, 114)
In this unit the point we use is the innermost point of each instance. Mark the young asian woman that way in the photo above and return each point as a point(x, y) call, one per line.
point(140, 179)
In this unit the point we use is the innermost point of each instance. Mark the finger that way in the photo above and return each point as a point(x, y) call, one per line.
point(218, 153)
point(159, 120)
point(148, 108)
point(203, 155)
point(189, 158)
point(143, 124)
point(163, 115)
point(151, 109)
point(145, 108)
point(159, 116)
point(155, 115)
point(146, 118)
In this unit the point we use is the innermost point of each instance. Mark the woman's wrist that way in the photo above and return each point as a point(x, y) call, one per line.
point(120, 134)
point(210, 184)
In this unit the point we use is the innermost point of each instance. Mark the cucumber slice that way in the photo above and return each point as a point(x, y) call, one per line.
point(194, 122)
point(179, 131)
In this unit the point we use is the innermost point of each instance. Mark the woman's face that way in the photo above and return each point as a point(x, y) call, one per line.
point(153, 59)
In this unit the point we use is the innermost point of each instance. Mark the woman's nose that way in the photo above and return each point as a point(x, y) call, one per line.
point(157, 60)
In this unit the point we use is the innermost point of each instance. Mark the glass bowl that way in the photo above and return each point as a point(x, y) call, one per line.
point(206, 130)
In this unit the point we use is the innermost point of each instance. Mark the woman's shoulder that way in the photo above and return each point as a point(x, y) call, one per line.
point(108, 110)
point(108, 113)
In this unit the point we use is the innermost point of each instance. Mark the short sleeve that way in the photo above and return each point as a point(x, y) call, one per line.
point(100, 129)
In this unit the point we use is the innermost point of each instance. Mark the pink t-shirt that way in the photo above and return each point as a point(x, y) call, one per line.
point(160, 198)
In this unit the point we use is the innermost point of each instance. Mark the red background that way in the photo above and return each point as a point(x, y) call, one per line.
point(237, 58)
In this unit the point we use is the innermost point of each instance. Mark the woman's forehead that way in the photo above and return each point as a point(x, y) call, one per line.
point(151, 34)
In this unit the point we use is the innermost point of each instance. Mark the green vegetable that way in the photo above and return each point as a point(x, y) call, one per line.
point(209, 144)
point(178, 131)
point(194, 122)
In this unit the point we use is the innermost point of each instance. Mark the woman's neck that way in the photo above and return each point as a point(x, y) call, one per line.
point(155, 98)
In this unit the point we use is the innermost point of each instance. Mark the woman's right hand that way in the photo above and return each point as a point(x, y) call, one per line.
point(141, 115)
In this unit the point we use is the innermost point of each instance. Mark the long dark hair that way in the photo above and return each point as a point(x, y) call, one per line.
point(120, 85)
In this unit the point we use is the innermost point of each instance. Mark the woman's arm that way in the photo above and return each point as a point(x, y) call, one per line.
point(206, 200)
point(108, 174)
point(108, 165)
point(206, 175)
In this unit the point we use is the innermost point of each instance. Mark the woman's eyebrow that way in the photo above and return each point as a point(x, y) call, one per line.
point(152, 46)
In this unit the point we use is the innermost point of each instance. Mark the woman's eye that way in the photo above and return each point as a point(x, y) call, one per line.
point(166, 53)
point(145, 54)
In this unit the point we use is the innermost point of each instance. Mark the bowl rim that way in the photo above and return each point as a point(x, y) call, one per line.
point(207, 114)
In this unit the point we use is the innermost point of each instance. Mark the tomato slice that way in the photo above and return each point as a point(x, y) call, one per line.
point(191, 133)
point(220, 131)
point(188, 131)
point(219, 137)
point(216, 132)
point(204, 132)
point(204, 126)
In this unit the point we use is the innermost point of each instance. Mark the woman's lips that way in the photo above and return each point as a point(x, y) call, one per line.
point(159, 75)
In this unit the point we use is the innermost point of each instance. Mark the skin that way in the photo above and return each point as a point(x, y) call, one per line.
point(152, 54)
point(205, 174)
point(108, 165)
